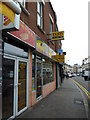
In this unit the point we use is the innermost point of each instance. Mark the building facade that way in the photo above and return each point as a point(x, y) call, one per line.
point(28, 70)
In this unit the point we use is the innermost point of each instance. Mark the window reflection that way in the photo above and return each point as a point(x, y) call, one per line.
point(47, 71)
point(33, 72)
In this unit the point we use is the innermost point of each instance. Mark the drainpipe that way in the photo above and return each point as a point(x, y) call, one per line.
point(13, 5)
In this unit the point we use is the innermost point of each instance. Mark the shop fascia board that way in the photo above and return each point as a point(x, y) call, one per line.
point(13, 5)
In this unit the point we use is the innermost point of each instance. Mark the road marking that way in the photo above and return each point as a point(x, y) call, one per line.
point(82, 88)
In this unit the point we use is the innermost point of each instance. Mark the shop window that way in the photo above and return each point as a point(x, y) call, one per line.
point(48, 71)
point(33, 72)
point(40, 14)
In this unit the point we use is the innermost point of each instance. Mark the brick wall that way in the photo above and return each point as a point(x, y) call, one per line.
point(30, 78)
point(33, 98)
point(48, 88)
point(31, 21)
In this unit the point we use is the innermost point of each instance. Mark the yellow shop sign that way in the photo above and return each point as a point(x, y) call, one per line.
point(57, 35)
point(5, 10)
point(59, 58)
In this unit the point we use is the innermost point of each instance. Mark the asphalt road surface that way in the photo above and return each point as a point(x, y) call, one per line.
point(86, 85)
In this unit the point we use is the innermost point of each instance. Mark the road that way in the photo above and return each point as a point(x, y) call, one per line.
point(85, 87)
point(82, 82)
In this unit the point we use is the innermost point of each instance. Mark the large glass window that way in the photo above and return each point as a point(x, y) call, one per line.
point(33, 72)
point(48, 71)
point(40, 14)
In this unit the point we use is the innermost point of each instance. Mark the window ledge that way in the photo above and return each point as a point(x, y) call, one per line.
point(24, 9)
point(41, 29)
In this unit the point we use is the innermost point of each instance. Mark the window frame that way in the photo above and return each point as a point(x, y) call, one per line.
point(33, 82)
point(23, 2)
point(40, 14)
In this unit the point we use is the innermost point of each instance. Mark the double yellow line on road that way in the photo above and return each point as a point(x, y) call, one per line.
point(82, 88)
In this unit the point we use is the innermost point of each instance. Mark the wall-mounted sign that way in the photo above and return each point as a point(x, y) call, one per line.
point(60, 51)
point(9, 20)
point(64, 53)
point(59, 58)
point(25, 34)
point(44, 48)
point(57, 35)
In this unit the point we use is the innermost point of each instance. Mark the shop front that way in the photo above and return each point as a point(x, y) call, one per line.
point(60, 59)
point(9, 21)
point(15, 79)
point(16, 64)
point(43, 76)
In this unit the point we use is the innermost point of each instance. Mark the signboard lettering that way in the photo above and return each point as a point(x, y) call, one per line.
point(59, 58)
point(57, 35)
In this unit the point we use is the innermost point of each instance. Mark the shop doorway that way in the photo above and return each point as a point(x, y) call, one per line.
point(14, 87)
point(39, 78)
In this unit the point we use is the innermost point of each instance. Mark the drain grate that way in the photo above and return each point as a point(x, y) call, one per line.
point(78, 101)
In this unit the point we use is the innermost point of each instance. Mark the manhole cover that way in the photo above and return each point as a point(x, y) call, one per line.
point(78, 101)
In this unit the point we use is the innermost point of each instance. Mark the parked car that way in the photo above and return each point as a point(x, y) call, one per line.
point(74, 75)
point(78, 74)
point(69, 75)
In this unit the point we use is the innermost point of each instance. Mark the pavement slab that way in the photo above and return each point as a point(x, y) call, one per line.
point(65, 102)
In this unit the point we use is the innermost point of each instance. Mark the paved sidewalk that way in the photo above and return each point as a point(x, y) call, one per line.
point(65, 102)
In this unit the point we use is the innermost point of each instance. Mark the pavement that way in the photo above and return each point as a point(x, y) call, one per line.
point(65, 102)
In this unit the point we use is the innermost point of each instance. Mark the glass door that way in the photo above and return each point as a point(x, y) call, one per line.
point(8, 88)
point(14, 87)
point(39, 78)
point(22, 85)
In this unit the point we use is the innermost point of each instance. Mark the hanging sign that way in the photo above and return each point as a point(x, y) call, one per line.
point(59, 58)
point(57, 35)
point(60, 51)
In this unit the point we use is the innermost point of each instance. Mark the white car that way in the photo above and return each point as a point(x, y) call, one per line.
point(74, 75)
point(69, 75)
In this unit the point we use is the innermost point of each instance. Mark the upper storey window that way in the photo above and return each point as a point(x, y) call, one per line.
point(51, 24)
point(40, 14)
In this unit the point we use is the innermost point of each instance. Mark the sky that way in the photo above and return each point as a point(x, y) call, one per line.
point(72, 17)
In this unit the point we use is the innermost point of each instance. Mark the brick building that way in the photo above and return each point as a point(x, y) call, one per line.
point(29, 72)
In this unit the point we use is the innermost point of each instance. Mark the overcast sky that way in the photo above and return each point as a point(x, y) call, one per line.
point(72, 17)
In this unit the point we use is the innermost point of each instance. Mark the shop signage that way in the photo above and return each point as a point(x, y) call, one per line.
point(64, 53)
point(51, 52)
point(60, 51)
point(59, 58)
point(44, 48)
point(57, 35)
point(9, 20)
point(25, 34)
